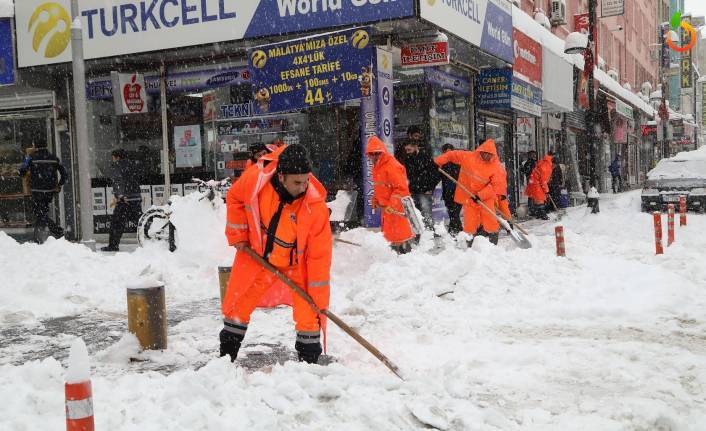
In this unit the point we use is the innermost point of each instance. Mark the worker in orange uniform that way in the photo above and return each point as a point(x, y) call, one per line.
point(483, 175)
point(538, 186)
point(280, 212)
point(390, 185)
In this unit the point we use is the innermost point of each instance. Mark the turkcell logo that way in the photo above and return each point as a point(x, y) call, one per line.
point(50, 27)
point(150, 15)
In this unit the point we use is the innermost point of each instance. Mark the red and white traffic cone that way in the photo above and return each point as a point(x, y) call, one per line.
point(670, 224)
point(658, 232)
point(79, 396)
point(682, 210)
point(560, 246)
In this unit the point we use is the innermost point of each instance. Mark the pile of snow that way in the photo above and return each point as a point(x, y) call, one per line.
point(60, 278)
point(492, 338)
point(7, 9)
point(685, 165)
point(79, 367)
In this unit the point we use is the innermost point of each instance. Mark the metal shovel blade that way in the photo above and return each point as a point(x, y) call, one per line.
point(520, 239)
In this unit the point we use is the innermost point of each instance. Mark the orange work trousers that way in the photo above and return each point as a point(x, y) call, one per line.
point(475, 216)
point(304, 317)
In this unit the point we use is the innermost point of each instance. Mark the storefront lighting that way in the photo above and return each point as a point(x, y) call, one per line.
point(575, 43)
point(195, 95)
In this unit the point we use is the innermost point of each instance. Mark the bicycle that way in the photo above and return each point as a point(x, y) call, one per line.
point(155, 224)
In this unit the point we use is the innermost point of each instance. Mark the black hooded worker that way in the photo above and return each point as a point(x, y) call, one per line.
point(46, 177)
point(279, 212)
point(127, 198)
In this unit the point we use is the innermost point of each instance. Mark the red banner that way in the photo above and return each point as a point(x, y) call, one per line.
point(528, 58)
point(425, 54)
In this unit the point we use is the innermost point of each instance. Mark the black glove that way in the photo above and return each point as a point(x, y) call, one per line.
point(230, 344)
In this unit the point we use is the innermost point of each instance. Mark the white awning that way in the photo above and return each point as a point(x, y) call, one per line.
point(558, 79)
point(7, 9)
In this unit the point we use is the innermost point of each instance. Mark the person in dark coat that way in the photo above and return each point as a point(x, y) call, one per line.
point(449, 189)
point(423, 176)
point(614, 169)
point(46, 177)
point(127, 198)
point(556, 184)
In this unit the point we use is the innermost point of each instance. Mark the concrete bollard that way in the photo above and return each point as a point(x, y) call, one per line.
point(560, 246)
point(682, 210)
point(147, 317)
point(658, 232)
point(670, 224)
point(223, 277)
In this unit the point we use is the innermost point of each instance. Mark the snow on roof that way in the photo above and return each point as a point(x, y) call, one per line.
point(7, 9)
point(527, 25)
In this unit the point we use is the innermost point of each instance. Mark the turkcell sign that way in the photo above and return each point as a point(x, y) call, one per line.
point(484, 23)
point(117, 27)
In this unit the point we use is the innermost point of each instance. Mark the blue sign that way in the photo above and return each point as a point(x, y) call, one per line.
point(312, 71)
point(239, 110)
point(448, 81)
point(498, 90)
point(7, 53)
point(290, 16)
point(494, 89)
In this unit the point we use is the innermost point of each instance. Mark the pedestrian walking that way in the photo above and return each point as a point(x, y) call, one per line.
point(423, 176)
point(280, 213)
point(556, 184)
point(480, 173)
point(127, 200)
point(448, 192)
point(614, 169)
point(538, 186)
point(46, 177)
point(390, 186)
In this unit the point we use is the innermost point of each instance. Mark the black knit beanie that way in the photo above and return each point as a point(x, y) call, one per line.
point(294, 160)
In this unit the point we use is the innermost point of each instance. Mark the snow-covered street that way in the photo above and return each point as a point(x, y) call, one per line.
point(611, 337)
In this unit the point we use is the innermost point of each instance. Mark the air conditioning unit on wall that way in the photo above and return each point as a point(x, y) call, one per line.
point(558, 12)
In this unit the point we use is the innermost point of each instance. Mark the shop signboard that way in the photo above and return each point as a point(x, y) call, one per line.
point(187, 145)
point(131, 90)
point(528, 58)
point(703, 103)
point(210, 113)
point(623, 109)
point(687, 72)
point(117, 27)
point(494, 89)
point(177, 82)
point(311, 71)
point(433, 53)
point(238, 110)
point(581, 23)
point(484, 23)
point(648, 130)
point(7, 52)
point(612, 8)
point(526, 97)
point(448, 81)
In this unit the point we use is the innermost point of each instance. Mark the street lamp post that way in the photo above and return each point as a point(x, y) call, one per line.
point(590, 115)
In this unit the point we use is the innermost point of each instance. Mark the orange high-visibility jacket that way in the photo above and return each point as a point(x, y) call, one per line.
point(483, 179)
point(390, 185)
point(313, 239)
point(538, 184)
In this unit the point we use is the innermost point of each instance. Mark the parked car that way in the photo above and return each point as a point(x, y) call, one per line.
point(681, 175)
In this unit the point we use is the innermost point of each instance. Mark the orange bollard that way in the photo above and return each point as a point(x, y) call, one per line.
point(682, 210)
point(560, 246)
point(658, 232)
point(79, 406)
point(670, 224)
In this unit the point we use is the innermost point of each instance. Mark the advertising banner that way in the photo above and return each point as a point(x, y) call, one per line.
point(131, 90)
point(528, 59)
point(448, 81)
point(433, 53)
point(7, 52)
point(484, 23)
point(687, 72)
point(526, 97)
point(311, 71)
point(178, 82)
point(117, 27)
point(187, 145)
point(210, 112)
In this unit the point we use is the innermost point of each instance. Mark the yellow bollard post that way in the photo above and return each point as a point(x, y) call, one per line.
point(223, 277)
point(147, 317)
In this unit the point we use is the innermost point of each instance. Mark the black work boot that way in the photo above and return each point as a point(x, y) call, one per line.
point(231, 338)
point(308, 347)
point(493, 238)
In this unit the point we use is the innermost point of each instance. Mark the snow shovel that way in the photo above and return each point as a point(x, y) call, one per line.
point(559, 212)
point(411, 215)
point(347, 242)
point(335, 319)
point(516, 236)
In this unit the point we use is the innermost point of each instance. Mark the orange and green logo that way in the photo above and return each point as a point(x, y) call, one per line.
point(688, 29)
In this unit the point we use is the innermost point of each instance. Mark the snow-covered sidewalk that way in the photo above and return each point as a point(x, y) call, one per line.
point(494, 338)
